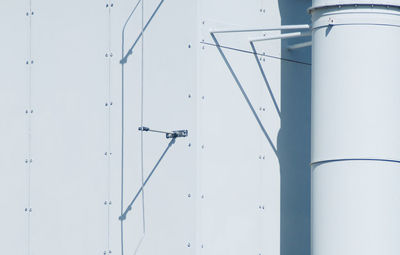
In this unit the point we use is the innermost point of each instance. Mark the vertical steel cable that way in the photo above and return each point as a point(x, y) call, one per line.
point(122, 138)
point(123, 61)
point(29, 112)
point(109, 103)
point(141, 119)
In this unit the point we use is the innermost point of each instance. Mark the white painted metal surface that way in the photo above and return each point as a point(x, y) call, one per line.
point(355, 130)
point(236, 185)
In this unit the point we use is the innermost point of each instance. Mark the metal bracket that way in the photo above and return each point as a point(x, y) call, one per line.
point(168, 135)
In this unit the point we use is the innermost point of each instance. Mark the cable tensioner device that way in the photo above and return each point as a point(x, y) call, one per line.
point(168, 135)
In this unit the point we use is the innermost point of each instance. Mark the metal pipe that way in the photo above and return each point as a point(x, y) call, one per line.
point(277, 28)
point(299, 45)
point(281, 36)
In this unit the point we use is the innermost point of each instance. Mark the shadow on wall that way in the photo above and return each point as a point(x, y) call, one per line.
point(294, 137)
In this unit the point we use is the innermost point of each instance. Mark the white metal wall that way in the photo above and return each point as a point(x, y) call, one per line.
point(216, 191)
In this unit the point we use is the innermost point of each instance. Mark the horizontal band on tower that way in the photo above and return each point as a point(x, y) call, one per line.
point(353, 159)
point(353, 4)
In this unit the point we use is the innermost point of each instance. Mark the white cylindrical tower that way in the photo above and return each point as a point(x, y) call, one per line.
point(355, 132)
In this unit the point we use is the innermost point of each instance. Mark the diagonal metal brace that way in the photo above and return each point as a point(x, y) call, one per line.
point(129, 208)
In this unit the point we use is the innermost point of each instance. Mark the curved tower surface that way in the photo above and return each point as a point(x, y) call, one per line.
point(355, 129)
